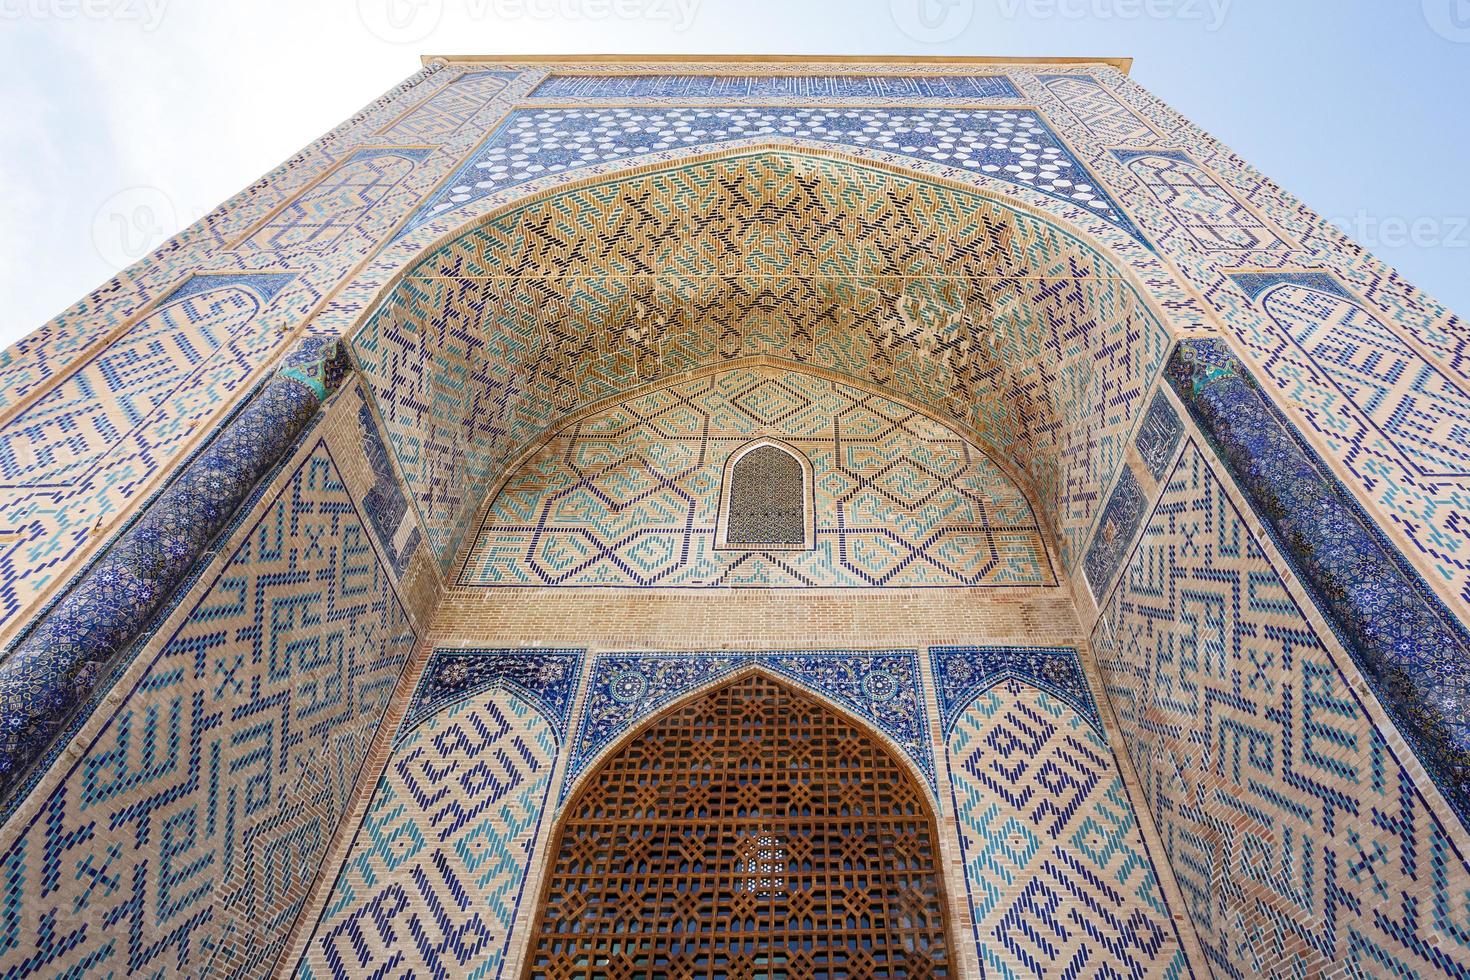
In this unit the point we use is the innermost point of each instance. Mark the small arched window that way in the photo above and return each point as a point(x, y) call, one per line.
point(767, 499)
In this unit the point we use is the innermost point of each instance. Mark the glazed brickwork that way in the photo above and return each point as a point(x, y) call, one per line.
point(1299, 826)
point(631, 496)
point(182, 827)
point(1010, 252)
point(1024, 335)
point(1059, 880)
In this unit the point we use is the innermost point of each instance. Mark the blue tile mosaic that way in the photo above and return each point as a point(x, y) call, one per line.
point(544, 678)
point(882, 686)
point(55, 666)
point(778, 86)
point(1407, 644)
point(1158, 435)
point(961, 673)
point(1014, 145)
point(1115, 531)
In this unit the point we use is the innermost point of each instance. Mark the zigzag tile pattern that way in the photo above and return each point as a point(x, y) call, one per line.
point(631, 496)
point(435, 874)
point(185, 835)
point(1023, 333)
point(1060, 882)
point(1302, 842)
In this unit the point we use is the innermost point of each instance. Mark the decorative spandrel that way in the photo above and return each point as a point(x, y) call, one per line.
point(751, 832)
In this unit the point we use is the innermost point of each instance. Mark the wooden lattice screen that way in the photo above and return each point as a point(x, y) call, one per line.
point(767, 500)
point(751, 833)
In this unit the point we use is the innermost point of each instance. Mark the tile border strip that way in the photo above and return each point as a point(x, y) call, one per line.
point(55, 668)
point(1411, 649)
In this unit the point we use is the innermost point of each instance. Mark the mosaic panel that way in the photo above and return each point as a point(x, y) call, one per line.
point(1099, 111)
point(185, 835)
point(64, 433)
point(386, 504)
point(1205, 209)
point(545, 679)
point(318, 217)
point(880, 686)
point(630, 496)
point(1417, 410)
point(437, 868)
point(1407, 644)
point(1158, 435)
point(1024, 334)
point(1115, 531)
point(1013, 145)
point(1060, 882)
point(777, 86)
point(447, 110)
point(1300, 840)
point(961, 672)
point(55, 667)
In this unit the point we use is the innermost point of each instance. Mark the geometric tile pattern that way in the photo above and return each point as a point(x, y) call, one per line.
point(776, 86)
point(1060, 882)
point(631, 496)
point(1406, 643)
point(1205, 209)
point(85, 635)
point(184, 837)
point(1024, 333)
point(1413, 407)
point(446, 111)
point(880, 686)
point(386, 503)
point(63, 434)
point(437, 868)
point(1013, 145)
point(1115, 530)
point(1302, 843)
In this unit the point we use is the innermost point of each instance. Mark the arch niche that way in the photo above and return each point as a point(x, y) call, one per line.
point(750, 830)
point(1033, 339)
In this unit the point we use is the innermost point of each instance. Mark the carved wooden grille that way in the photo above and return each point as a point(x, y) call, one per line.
point(767, 500)
point(751, 833)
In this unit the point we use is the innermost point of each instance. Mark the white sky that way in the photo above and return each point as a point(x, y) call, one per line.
point(154, 111)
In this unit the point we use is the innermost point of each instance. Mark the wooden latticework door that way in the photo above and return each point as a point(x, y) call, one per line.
point(750, 833)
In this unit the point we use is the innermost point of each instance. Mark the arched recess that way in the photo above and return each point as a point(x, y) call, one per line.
point(631, 494)
point(766, 498)
point(1004, 320)
point(749, 829)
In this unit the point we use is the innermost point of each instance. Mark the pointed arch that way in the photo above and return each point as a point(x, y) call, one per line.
point(790, 833)
point(767, 498)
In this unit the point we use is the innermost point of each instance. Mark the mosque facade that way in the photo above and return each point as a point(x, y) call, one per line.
point(741, 517)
